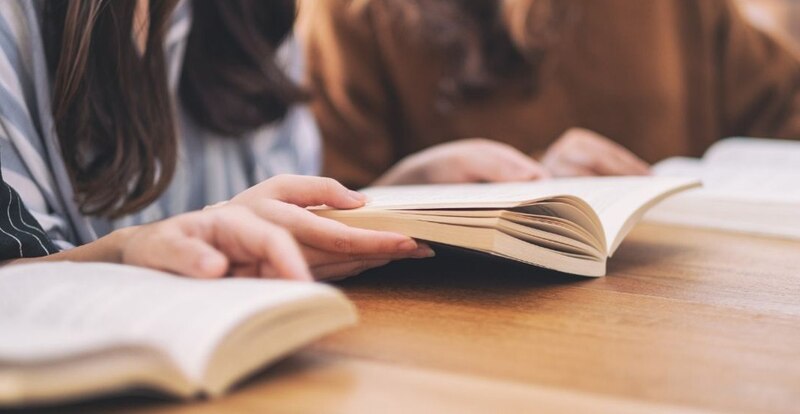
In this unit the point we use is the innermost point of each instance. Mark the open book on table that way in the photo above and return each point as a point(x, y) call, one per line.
point(74, 330)
point(749, 185)
point(569, 225)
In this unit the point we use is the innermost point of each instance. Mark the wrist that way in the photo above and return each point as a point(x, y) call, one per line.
point(114, 244)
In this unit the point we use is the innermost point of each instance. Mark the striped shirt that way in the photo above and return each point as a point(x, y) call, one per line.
point(210, 168)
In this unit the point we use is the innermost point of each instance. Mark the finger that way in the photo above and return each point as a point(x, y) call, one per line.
point(574, 170)
point(330, 235)
point(343, 270)
point(245, 237)
point(318, 257)
point(307, 191)
point(573, 164)
point(179, 253)
point(500, 162)
point(632, 164)
point(608, 163)
point(606, 157)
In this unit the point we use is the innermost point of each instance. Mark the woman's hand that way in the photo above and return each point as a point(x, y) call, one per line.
point(580, 152)
point(332, 249)
point(466, 160)
point(228, 240)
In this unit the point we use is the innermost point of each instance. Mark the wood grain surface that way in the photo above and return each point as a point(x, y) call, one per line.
point(687, 320)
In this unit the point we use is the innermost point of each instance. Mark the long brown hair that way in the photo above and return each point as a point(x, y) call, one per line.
point(482, 42)
point(112, 106)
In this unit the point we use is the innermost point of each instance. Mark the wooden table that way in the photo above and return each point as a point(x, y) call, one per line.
point(687, 320)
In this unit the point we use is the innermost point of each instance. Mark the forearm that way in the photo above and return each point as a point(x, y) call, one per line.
point(106, 249)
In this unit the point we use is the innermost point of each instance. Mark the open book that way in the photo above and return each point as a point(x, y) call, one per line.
point(570, 225)
point(74, 330)
point(749, 185)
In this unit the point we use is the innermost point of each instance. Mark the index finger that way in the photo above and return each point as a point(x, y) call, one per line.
point(333, 236)
point(305, 191)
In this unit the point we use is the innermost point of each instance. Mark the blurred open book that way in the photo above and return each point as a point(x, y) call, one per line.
point(749, 185)
point(75, 330)
point(570, 225)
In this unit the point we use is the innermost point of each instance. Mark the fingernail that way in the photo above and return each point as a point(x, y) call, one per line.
point(407, 245)
point(423, 252)
point(355, 195)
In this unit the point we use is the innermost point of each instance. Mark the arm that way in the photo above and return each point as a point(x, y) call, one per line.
point(201, 244)
point(264, 231)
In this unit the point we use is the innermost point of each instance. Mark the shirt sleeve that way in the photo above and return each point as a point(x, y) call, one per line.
point(29, 186)
point(20, 233)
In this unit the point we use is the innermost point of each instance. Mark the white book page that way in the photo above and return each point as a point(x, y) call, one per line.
point(746, 169)
point(184, 317)
point(457, 195)
point(679, 167)
point(24, 343)
point(754, 153)
point(619, 201)
point(614, 199)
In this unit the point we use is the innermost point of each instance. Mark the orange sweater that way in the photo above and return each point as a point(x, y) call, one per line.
point(661, 77)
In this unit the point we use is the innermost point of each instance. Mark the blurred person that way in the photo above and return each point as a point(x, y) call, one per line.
point(589, 87)
point(122, 120)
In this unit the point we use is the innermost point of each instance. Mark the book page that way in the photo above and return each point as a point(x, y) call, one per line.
point(743, 169)
point(619, 201)
point(614, 199)
point(184, 317)
point(754, 153)
point(24, 343)
point(439, 196)
point(679, 167)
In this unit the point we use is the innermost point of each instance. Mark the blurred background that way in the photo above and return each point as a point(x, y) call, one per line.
point(781, 17)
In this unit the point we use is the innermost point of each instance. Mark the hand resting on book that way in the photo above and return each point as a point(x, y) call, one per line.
point(332, 249)
point(265, 231)
point(581, 152)
point(464, 161)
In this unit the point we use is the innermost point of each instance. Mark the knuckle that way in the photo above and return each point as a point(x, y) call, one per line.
point(483, 142)
point(230, 211)
point(280, 178)
point(280, 183)
point(343, 244)
point(329, 185)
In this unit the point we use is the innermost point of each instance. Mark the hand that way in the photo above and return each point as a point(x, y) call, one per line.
point(228, 240)
point(466, 160)
point(332, 249)
point(580, 152)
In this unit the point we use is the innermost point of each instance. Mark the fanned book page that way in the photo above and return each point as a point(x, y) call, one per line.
point(571, 225)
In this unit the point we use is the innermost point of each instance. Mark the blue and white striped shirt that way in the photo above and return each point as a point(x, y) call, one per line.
point(210, 168)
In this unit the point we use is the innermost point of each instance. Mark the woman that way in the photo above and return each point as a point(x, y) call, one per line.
point(119, 113)
point(552, 78)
